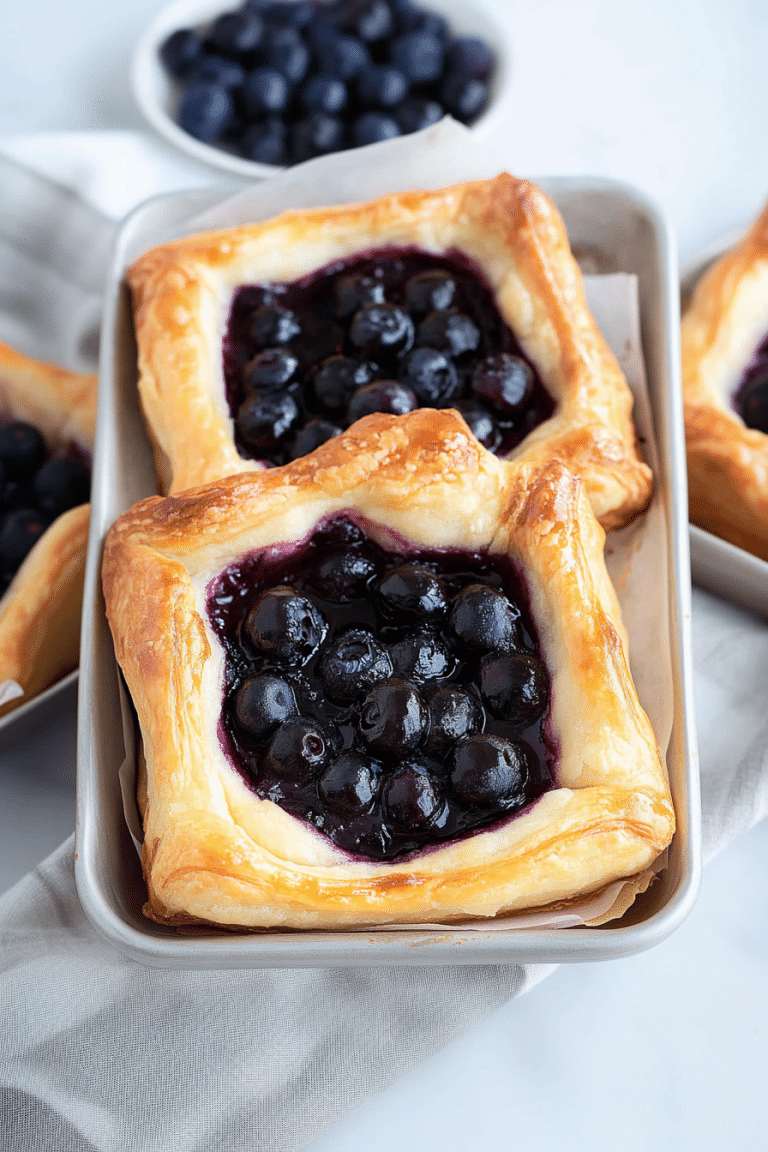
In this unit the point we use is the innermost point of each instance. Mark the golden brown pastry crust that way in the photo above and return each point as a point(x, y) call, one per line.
point(216, 853)
point(725, 321)
point(508, 227)
point(40, 610)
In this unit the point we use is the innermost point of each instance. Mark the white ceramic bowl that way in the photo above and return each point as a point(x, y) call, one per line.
point(157, 93)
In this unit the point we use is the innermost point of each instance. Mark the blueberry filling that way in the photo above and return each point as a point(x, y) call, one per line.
point(392, 700)
point(390, 331)
point(751, 399)
point(35, 488)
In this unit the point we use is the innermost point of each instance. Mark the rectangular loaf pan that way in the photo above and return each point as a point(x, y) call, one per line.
point(612, 228)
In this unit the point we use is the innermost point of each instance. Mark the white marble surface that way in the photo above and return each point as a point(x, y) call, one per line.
point(663, 1050)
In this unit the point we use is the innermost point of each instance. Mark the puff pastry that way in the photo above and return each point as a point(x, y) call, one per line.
point(40, 610)
point(506, 227)
point(723, 325)
point(215, 853)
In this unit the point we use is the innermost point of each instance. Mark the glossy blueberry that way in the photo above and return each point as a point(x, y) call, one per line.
point(464, 99)
point(261, 703)
point(206, 110)
point(343, 576)
point(311, 436)
point(388, 396)
point(421, 657)
point(430, 375)
point(219, 70)
point(265, 90)
point(515, 688)
point(285, 626)
point(484, 619)
point(272, 368)
point(411, 592)
point(337, 379)
point(20, 530)
point(284, 50)
point(504, 382)
point(419, 55)
point(353, 292)
point(752, 402)
point(411, 797)
point(265, 419)
point(470, 57)
point(450, 332)
point(298, 751)
point(324, 94)
point(481, 423)
point(181, 51)
point(341, 56)
point(489, 771)
point(453, 715)
point(373, 127)
point(393, 717)
point(353, 663)
point(316, 135)
point(372, 21)
point(266, 142)
point(430, 291)
point(415, 113)
point(236, 34)
point(381, 86)
point(350, 784)
point(381, 331)
point(270, 326)
point(60, 484)
point(22, 449)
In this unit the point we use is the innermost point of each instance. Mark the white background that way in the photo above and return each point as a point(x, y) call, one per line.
point(667, 1049)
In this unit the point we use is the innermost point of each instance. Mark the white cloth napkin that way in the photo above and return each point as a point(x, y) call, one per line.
point(98, 1052)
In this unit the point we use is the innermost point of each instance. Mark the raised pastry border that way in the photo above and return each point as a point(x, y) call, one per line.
point(182, 293)
point(215, 853)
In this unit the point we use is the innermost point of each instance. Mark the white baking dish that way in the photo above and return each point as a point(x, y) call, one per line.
point(615, 228)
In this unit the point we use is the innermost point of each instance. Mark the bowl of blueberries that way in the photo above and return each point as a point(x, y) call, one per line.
point(256, 88)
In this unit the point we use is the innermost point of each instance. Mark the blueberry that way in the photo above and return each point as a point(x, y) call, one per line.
point(22, 449)
point(272, 325)
point(21, 529)
point(265, 90)
point(464, 99)
point(516, 688)
point(343, 576)
point(219, 70)
point(272, 368)
point(353, 292)
point(488, 772)
point(266, 142)
point(416, 113)
point(505, 382)
point(324, 94)
point(453, 715)
point(311, 436)
point(381, 331)
point(261, 703)
point(285, 626)
point(337, 379)
point(284, 50)
point(298, 751)
point(60, 484)
point(411, 592)
point(388, 396)
point(435, 24)
point(430, 291)
point(206, 110)
point(430, 375)
point(353, 663)
point(412, 798)
point(236, 34)
point(470, 57)
point(393, 718)
point(450, 332)
point(419, 55)
point(264, 419)
point(373, 127)
point(18, 494)
point(406, 14)
point(316, 135)
point(421, 658)
point(288, 13)
point(481, 423)
point(372, 20)
point(341, 56)
point(485, 620)
point(381, 86)
point(350, 784)
point(181, 51)
point(752, 402)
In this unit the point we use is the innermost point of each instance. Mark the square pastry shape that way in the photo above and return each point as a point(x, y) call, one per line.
point(724, 333)
point(40, 610)
point(215, 852)
point(505, 230)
